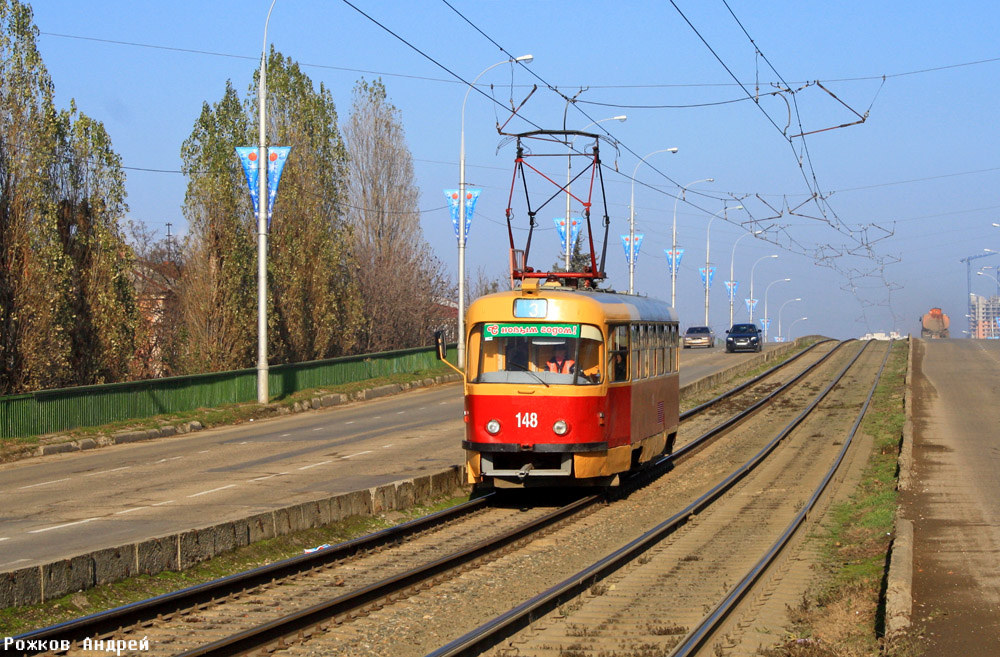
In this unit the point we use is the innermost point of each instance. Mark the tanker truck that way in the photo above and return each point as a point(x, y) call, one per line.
point(934, 324)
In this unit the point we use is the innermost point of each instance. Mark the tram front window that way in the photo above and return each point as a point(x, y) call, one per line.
point(528, 354)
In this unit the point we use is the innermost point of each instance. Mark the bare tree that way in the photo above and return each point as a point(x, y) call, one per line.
point(399, 278)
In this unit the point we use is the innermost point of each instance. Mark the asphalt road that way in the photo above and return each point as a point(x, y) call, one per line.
point(66, 504)
point(955, 497)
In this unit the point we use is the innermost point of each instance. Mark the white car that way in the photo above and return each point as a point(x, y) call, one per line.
point(698, 336)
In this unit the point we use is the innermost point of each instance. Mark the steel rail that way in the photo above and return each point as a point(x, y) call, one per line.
point(193, 596)
point(299, 622)
point(491, 632)
point(209, 592)
point(743, 386)
point(695, 640)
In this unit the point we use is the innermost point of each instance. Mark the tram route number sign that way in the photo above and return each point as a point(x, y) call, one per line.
point(491, 331)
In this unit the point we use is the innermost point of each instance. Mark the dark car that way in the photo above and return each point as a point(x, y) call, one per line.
point(743, 337)
point(698, 336)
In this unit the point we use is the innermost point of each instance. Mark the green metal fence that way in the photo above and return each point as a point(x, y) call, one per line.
point(48, 411)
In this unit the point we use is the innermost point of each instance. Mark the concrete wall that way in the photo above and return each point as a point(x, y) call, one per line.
point(178, 551)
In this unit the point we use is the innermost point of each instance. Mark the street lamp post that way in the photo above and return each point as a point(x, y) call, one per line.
point(800, 319)
point(752, 304)
point(461, 211)
point(732, 262)
point(631, 221)
point(767, 317)
point(781, 309)
point(262, 391)
point(569, 161)
point(708, 243)
point(673, 243)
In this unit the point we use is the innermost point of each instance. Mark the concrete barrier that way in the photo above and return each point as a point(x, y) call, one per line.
point(179, 551)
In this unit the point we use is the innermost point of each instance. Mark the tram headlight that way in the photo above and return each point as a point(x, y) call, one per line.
point(493, 427)
point(560, 427)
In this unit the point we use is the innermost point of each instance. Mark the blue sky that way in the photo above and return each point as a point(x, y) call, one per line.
point(920, 172)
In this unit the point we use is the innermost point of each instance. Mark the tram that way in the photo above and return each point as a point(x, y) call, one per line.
point(565, 384)
point(567, 387)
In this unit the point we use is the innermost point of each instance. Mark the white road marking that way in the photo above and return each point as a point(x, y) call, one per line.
point(68, 524)
point(377, 417)
point(5, 538)
point(279, 474)
point(319, 428)
point(206, 492)
point(358, 454)
point(386, 446)
point(162, 503)
point(172, 458)
point(204, 451)
point(11, 563)
point(124, 467)
point(400, 412)
point(306, 467)
point(138, 508)
point(349, 422)
point(44, 483)
point(284, 435)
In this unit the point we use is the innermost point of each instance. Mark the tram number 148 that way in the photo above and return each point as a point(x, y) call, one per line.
point(527, 420)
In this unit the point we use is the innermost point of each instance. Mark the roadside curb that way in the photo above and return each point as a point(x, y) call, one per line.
point(59, 444)
point(899, 582)
point(181, 550)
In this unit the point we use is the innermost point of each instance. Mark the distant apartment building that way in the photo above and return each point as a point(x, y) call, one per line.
point(983, 315)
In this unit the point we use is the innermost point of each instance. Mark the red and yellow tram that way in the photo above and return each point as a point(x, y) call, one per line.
point(567, 386)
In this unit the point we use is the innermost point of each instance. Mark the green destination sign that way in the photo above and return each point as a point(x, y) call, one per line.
point(531, 331)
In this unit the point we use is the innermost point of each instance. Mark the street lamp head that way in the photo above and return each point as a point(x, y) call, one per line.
point(672, 150)
point(773, 255)
point(620, 117)
point(709, 179)
point(524, 59)
point(735, 207)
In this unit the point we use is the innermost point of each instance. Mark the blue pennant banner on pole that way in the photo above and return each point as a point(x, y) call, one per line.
point(248, 158)
point(766, 323)
point(732, 286)
point(751, 304)
point(276, 158)
point(711, 275)
point(674, 258)
point(632, 255)
point(574, 230)
point(471, 196)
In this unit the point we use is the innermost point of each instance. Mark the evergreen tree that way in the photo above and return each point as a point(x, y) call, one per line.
point(67, 309)
point(218, 286)
point(314, 304)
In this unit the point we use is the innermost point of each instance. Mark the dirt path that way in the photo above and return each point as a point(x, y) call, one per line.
point(954, 501)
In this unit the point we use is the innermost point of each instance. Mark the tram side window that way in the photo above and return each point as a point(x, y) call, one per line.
point(618, 353)
point(659, 349)
point(672, 344)
point(636, 350)
point(647, 352)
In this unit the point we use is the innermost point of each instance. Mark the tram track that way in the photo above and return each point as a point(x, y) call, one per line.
point(671, 590)
point(201, 604)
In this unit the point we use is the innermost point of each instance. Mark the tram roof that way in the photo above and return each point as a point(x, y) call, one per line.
point(609, 306)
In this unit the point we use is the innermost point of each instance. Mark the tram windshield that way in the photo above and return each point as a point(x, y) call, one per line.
point(538, 354)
